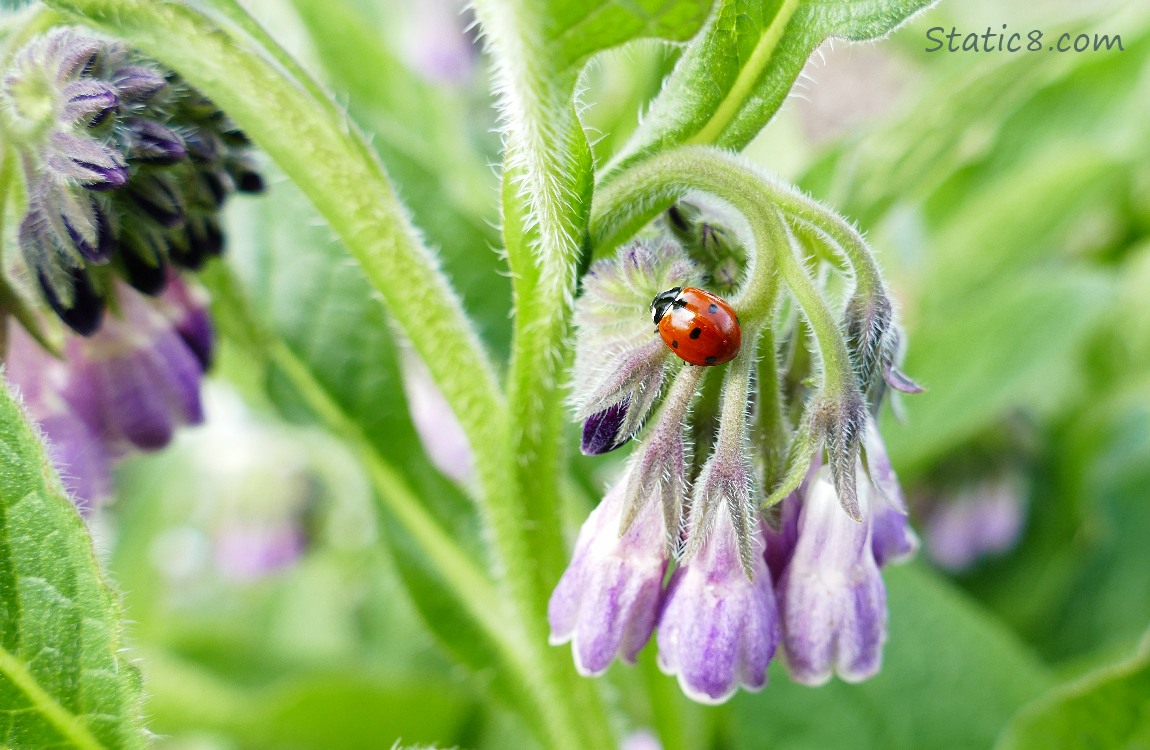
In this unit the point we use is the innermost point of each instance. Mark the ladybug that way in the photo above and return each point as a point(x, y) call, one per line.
point(700, 327)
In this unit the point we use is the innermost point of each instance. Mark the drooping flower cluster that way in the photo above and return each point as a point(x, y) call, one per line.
point(126, 169)
point(804, 574)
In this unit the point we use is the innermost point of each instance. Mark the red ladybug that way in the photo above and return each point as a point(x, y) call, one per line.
point(700, 327)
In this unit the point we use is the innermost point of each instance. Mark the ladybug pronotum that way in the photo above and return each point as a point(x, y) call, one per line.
point(700, 328)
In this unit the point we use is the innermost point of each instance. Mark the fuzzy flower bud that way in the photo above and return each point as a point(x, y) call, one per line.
point(619, 366)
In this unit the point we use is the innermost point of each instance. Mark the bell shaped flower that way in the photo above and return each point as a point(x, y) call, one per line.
point(832, 599)
point(608, 600)
point(982, 519)
point(720, 626)
point(619, 365)
point(64, 408)
point(892, 538)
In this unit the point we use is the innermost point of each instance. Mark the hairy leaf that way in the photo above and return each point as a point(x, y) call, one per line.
point(1106, 710)
point(64, 681)
point(736, 73)
point(951, 677)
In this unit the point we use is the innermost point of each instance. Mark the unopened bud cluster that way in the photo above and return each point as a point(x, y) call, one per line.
point(126, 169)
point(744, 578)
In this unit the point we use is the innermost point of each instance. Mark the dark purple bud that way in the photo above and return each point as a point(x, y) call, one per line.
point(191, 319)
point(150, 142)
point(203, 144)
point(89, 102)
point(103, 180)
point(247, 179)
point(250, 181)
point(159, 198)
point(601, 430)
point(86, 311)
point(137, 83)
point(143, 254)
point(205, 235)
point(105, 243)
point(215, 184)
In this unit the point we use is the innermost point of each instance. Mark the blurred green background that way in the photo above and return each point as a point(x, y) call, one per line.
point(1008, 196)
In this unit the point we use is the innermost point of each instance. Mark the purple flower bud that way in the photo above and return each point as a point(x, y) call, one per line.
point(247, 180)
point(250, 550)
point(985, 518)
point(185, 303)
point(608, 600)
point(75, 301)
point(136, 83)
point(76, 55)
point(617, 357)
point(719, 628)
point(158, 196)
point(149, 142)
point(892, 540)
point(88, 162)
point(439, 430)
point(144, 259)
point(832, 599)
point(205, 235)
point(89, 103)
point(73, 221)
point(601, 430)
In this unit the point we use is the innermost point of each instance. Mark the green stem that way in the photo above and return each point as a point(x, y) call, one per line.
point(640, 193)
point(330, 161)
point(546, 191)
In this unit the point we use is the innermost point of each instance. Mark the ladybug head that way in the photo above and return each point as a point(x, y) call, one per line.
point(663, 302)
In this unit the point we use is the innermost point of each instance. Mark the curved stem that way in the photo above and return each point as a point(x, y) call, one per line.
point(637, 195)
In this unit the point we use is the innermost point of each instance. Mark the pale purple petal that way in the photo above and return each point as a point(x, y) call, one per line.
point(984, 519)
point(608, 599)
point(719, 629)
point(438, 428)
point(831, 595)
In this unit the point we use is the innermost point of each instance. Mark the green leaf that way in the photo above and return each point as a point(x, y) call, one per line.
point(1106, 710)
point(574, 30)
point(336, 708)
point(63, 678)
point(736, 73)
point(951, 677)
point(1008, 344)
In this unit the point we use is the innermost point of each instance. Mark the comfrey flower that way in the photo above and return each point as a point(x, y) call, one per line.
point(982, 519)
point(620, 369)
point(741, 581)
point(126, 168)
point(125, 388)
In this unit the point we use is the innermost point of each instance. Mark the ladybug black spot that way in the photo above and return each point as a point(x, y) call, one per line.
point(675, 343)
point(711, 360)
point(712, 308)
point(696, 332)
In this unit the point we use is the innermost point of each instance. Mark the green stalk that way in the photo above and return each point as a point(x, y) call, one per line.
point(546, 191)
point(639, 194)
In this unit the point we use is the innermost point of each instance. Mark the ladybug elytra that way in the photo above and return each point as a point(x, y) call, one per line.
point(700, 328)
